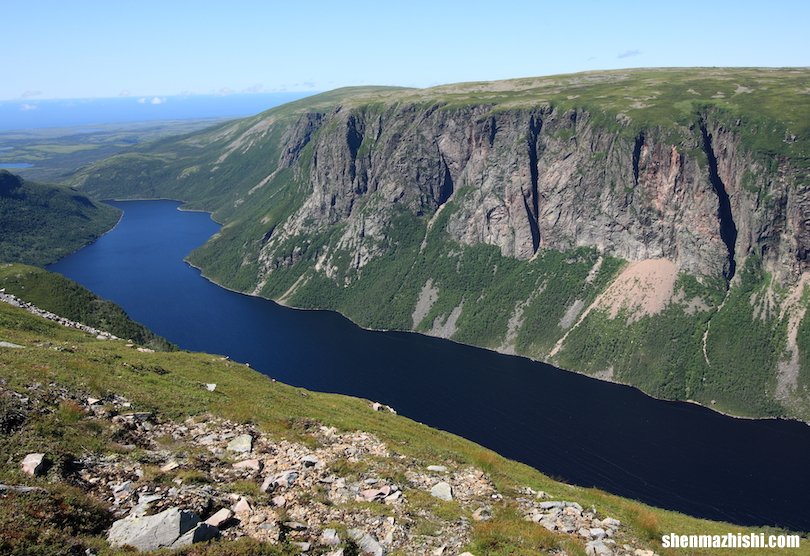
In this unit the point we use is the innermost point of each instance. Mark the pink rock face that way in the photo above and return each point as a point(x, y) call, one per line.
point(220, 517)
point(33, 464)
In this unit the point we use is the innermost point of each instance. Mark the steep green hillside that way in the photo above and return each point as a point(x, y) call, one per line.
point(627, 224)
point(42, 223)
point(68, 299)
point(109, 418)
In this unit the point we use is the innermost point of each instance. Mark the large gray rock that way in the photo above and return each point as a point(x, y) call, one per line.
point(242, 444)
point(159, 530)
point(442, 491)
point(201, 533)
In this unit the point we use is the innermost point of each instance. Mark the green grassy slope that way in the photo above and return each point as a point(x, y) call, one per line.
point(42, 223)
point(64, 520)
point(59, 295)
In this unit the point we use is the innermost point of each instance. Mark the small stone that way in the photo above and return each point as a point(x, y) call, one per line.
point(338, 552)
point(295, 526)
point(393, 497)
point(249, 465)
point(242, 506)
point(597, 548)
point(220, 517)
point(285, 479)
point(368, 545)
point(92, 401)
point(439, 551)
point(302, 546)
point(597, 533)
point(482, 514)
point(33, 464)
point(437, 468)
point(611, 523)
point(171, 466)
point(210, 386)
point(242, 444)
point(442, 491)
point(278, 501)
point(329, 537)
point(310, 461)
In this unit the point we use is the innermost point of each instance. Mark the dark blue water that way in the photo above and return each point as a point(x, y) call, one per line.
point(673, 455)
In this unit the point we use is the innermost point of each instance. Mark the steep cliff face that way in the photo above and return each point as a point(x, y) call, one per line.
point(548, 178)
point(627, 225)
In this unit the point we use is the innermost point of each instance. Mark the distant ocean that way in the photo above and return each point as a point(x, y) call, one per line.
point(36, 114)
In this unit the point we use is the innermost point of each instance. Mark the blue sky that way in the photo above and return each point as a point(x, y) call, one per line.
point(89, 48)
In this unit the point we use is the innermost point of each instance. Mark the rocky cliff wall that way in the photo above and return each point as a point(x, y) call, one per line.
point(525, 180)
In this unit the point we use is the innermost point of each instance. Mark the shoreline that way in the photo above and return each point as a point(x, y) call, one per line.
point(522, 356)
point(494, 350)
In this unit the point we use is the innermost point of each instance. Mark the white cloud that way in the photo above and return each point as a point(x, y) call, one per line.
point(157, 100)
point(31, 94)
point(225, 91)
point(629, 53)
point(257, 88)
point(124, 93)
point(141, 100)
point(26, 107)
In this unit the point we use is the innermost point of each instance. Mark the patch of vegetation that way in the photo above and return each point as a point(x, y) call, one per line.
point(42, 223)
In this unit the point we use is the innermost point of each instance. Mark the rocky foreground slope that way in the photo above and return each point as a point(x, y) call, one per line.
point(626, 224)
point(106, 447)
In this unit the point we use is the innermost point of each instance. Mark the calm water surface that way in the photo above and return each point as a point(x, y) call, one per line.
point(673, 455)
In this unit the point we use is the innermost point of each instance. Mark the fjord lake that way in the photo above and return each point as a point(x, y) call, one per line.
point(673, 455)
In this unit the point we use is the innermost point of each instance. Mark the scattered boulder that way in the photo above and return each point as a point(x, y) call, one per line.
point(33, 464)
point(329, 537)
point(437, 468)
point(201, 533)
point(368, 545)
point(249, 465)
point(242, 444)
point(597, 548)
point(220, 517)
point(242, 506)
point(210, 386)
point(4, 344)
point(442, 491)
point(155, 531)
